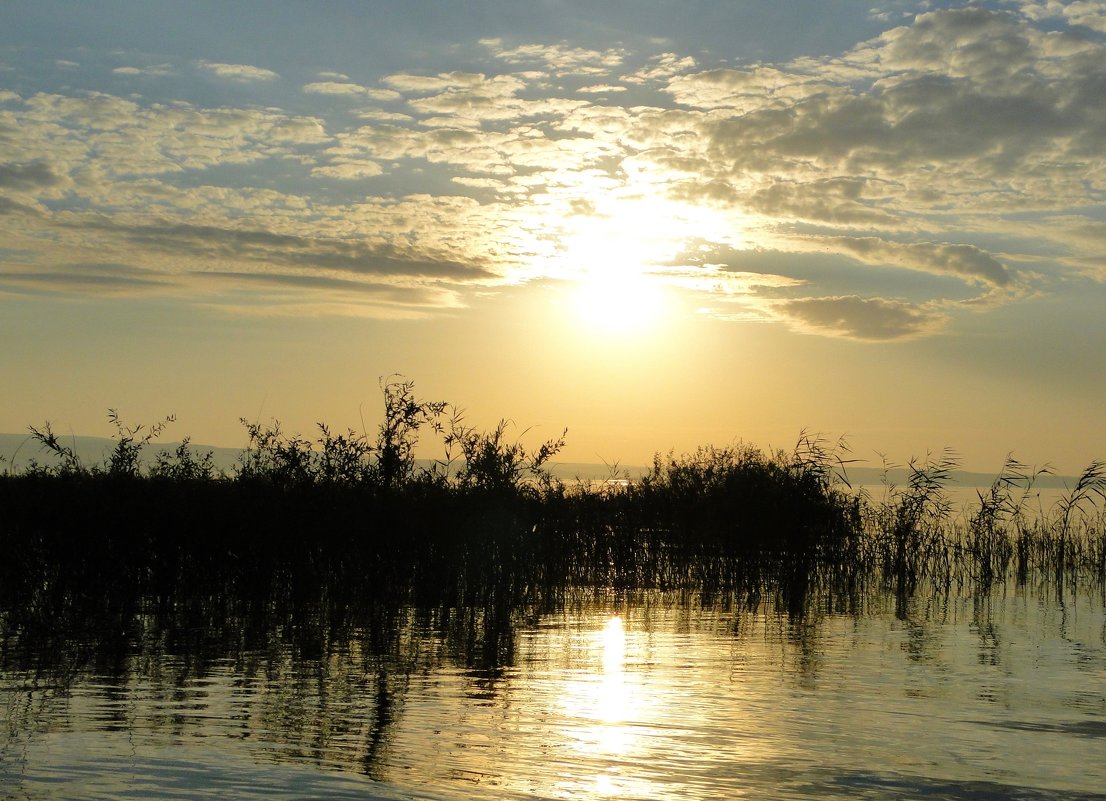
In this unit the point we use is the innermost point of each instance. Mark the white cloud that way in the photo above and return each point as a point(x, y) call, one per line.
point(744, 90)
point(380, 115)
point(349, 170)
point(422, 84)
point(237, 72)
point(601, 89)
point(661, 68)
point(350, 90)
point(560, 58)
point(1088, 13)
point(450, 122)
point(150, 71)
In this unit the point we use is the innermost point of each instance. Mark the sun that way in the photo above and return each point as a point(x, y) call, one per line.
point(624, 252)
point(619, 301)
point(618, 288)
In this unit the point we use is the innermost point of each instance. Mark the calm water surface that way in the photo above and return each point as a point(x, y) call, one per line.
point(605, 697)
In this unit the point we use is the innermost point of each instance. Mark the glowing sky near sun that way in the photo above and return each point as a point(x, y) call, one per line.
point(658, 224)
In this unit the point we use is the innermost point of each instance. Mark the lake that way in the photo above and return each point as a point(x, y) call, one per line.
point(591, 694)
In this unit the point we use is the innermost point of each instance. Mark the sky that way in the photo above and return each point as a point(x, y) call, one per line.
point(658, 225)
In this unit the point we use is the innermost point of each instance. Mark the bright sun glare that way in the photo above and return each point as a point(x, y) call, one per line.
point(619, 301)
point(613, 260)
point(624, 259)
point(604, 710)
point(613, 640)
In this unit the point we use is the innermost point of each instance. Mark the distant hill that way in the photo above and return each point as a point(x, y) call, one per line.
point(17, 451)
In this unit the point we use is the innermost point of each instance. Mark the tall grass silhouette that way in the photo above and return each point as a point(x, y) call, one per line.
point(486, 523)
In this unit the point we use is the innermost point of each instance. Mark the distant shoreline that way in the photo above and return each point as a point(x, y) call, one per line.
point(18, 450)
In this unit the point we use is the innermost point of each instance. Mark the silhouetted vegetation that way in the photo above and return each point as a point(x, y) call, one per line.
point(357, 518)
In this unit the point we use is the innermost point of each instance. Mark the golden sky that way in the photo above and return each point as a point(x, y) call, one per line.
point(660, 225)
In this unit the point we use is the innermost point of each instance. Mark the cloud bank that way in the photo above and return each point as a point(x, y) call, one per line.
point(954, 147)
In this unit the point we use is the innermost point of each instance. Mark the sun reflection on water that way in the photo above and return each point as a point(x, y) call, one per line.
point(613, 639)
point(602, 708)
point(615, 704)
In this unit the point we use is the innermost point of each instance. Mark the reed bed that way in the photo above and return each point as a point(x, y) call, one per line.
point(353, 519)
point(345, 550)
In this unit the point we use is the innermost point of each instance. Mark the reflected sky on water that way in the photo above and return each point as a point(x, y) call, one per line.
point(601, 696)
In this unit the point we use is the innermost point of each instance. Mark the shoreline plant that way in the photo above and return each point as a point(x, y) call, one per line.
point(489, 521)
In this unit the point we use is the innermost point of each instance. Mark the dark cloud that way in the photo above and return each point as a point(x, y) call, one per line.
point(9, 206)
point(837, 201)
point(87, 277)
point(914, 124)
point(379, 292)
point(960, 103)
point(963, 261)
point(975, 41)
point(28, 177)
point(206, 241)
point(852, 317)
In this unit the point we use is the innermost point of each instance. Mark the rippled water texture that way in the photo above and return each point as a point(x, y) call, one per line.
point(644, 697)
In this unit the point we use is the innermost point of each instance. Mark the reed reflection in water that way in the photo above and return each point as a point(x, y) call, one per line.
point(599, 695)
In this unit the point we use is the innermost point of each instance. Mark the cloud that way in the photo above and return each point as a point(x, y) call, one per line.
point(464, 147)
point(1089, 234)
point(350, 90)
point(243, 73)
point(264, 294)
point(559, 58)
point(852, 317)
point(722, 282)
point(601, 88)
point(836, 201)
point(480, 98)
point(959, 126)
point(661, 67)
point(1088, 13)
point(422, 84)
point(1071, 239)
point(386, 116)
point(28, 176)
point(454, 122)
point(953, 122)
point(150, 71)
point(112, 139)
point(962, 261)
point(743, 90)
point(229, 245)
point(380, 291)
point(349, 170)
point(9, 206)
point(90, 277)
point(483, 183)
